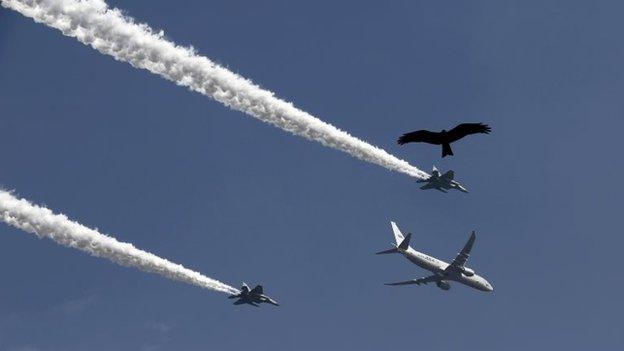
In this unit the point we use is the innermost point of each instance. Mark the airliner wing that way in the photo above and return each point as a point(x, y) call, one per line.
point(464, 254)
point(424, 280)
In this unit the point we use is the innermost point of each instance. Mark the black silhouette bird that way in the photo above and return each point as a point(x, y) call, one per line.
point(444, 138)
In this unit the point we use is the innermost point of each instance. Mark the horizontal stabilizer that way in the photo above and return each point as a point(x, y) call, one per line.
point(389, 251)
point(424, 280)
point(408, 282)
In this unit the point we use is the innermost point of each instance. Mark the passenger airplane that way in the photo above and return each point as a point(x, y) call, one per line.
point(442, 272)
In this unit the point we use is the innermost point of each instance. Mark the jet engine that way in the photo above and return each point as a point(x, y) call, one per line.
point(468, 272)
point(443, 284)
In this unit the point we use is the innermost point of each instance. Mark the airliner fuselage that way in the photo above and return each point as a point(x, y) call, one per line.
point(436, 266)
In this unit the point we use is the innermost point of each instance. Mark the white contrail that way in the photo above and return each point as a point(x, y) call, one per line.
point(110, 32)
point(44, 223)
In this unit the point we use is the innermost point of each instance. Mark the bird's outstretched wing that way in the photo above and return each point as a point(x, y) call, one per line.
point(419, 136)
point(466, 129)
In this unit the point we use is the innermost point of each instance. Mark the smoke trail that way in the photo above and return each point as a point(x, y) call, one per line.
point(30, 218)
point(107, 30)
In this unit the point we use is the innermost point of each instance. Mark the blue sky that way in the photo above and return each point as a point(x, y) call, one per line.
point(184, 177)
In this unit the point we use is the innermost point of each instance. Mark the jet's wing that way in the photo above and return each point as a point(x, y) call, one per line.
point(464, 254)
point(424, 280)
point(239, 302)
point(257, 290)
point(448, 175)
point(428, 186)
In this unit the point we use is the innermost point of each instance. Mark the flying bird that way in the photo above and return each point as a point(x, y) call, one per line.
point(444, 138)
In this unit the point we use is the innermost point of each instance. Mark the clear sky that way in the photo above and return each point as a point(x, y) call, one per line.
point(182, 176)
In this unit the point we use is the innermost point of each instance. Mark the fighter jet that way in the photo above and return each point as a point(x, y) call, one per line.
point(443, 272)
point(252, 297)
point(442, 182)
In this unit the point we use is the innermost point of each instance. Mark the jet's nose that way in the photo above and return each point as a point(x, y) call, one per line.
point(488, 287)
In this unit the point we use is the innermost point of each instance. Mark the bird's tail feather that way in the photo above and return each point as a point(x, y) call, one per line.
point(446, 150)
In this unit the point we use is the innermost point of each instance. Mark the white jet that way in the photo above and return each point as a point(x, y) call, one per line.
point(442, 272)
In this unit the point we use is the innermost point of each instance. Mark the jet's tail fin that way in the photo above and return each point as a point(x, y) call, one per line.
point(398, 236)
point(400, 242)
point(404, 245)
point(449, 175)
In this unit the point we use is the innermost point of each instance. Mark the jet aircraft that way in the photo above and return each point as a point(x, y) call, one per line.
point(442, 182)
point(443, 272)
point(252, 297)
